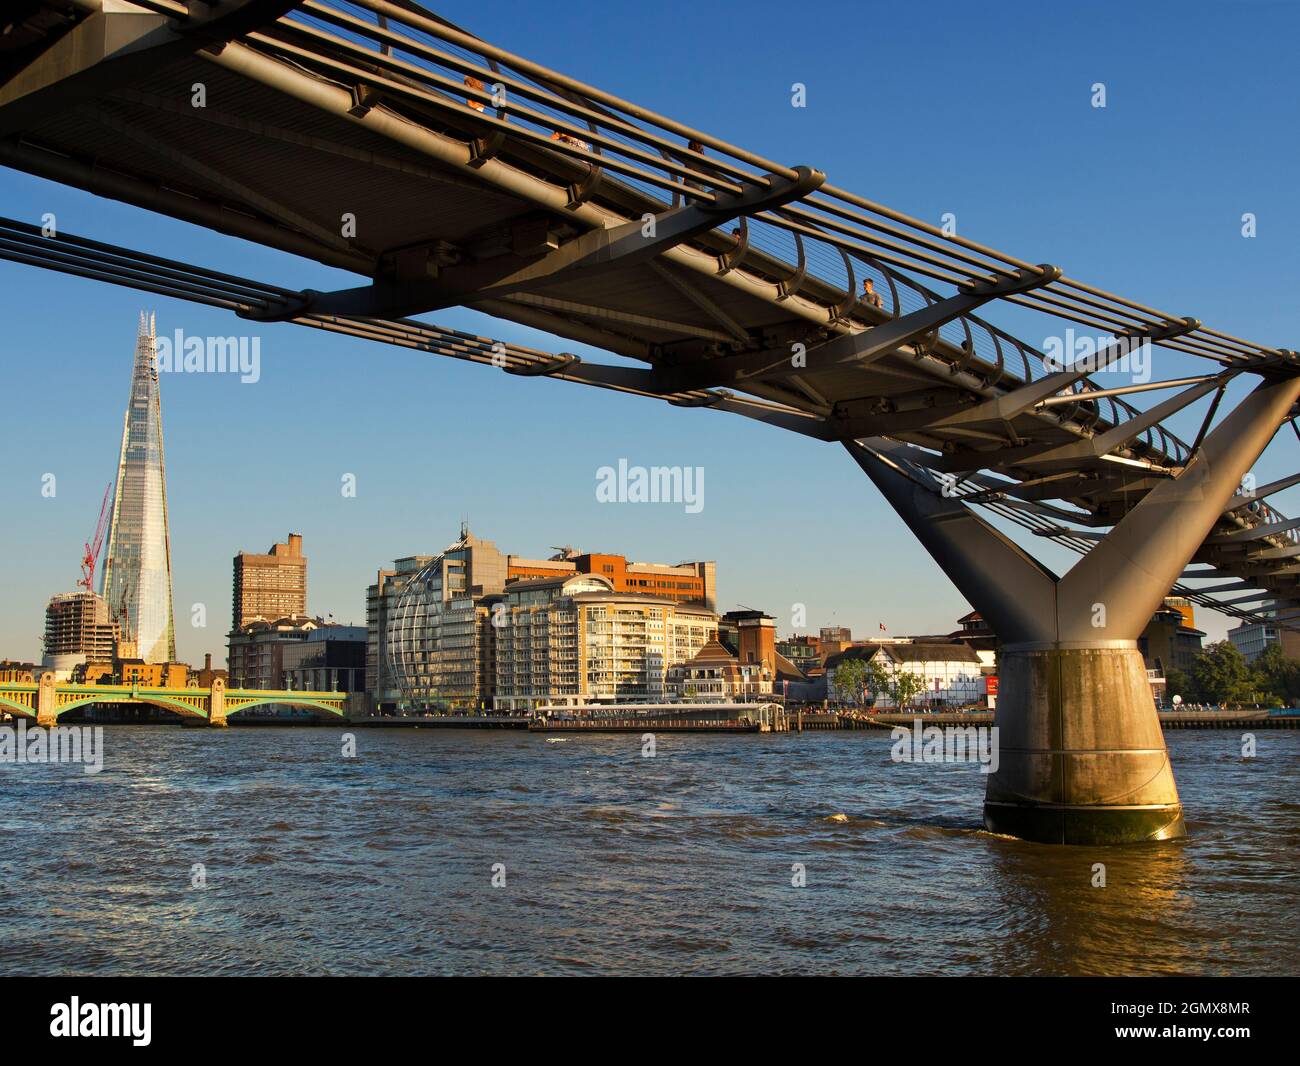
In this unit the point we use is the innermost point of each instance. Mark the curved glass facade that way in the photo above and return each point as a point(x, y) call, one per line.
point(473, 629)
point(432, 632)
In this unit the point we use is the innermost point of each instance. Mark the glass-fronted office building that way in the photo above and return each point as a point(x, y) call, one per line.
point(137, 574)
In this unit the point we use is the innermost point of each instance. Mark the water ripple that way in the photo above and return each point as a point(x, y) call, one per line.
point(687, 862)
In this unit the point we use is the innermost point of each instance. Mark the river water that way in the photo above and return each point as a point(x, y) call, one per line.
point(614, 863)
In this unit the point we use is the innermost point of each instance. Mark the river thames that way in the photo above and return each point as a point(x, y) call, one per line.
point(615, 863)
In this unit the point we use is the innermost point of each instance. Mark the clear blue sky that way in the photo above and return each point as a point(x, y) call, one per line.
point(930, 108)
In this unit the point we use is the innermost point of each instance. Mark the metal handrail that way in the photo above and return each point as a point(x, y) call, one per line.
point(703, 180)
point(1069, 298)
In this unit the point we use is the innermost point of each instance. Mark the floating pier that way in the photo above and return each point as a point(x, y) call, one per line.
point(445, 721)
point(662, 718)
point(644, 724)
point(1246, 720)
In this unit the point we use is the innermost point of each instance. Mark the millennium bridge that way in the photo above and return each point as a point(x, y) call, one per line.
point(46, 700)
point(440, 170)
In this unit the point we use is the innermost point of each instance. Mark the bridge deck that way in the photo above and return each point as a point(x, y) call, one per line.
point(530, 205)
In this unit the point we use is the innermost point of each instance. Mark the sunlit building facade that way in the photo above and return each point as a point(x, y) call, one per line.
point(715, 675)
point(574, 641)
point(691, 582)
point(1252, 639)
point(272, 585)
point(948, 672)
point(137, 575)
point(255, 653)
point(425, 628)
point(437, 637)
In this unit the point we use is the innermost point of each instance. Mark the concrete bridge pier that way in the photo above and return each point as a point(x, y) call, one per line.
point(1082, 758)
point(47, 702)
point(217, 705)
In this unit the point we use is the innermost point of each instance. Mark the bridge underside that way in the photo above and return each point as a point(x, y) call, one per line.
point(1082, 756)
point(442, 171)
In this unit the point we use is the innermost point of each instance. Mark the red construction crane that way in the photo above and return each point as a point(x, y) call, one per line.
point(89, 559)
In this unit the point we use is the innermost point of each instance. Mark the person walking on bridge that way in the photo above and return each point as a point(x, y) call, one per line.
point(869, 294)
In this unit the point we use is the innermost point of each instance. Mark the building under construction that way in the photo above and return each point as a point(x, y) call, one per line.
point(78, 629)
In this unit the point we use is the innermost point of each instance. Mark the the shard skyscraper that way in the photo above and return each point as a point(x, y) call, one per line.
point(137, 574)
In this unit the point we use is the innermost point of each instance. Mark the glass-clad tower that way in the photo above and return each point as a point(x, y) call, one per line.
point(137, 575)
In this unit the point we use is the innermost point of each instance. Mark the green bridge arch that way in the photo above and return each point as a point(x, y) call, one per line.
point(176, 700)
point(17, 708)
point(166, 703)
point(280, 699)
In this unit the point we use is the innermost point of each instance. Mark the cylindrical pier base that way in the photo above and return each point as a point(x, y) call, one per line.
point(1082, 759)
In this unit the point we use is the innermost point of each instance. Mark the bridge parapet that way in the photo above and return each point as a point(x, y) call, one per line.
point(47, 700)
point(334, 703)
point(19, 699)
